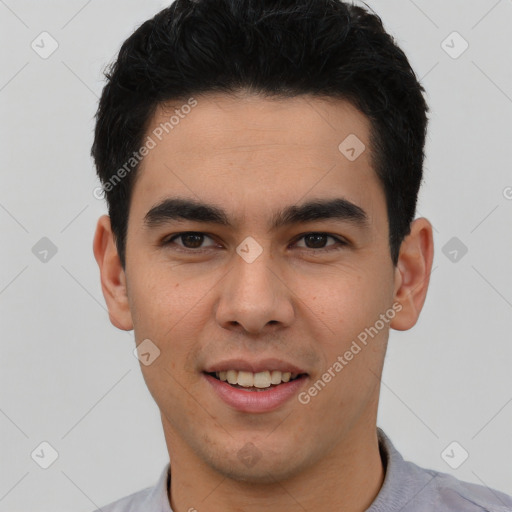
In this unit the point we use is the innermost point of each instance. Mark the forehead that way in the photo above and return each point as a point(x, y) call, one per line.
point(252, 154)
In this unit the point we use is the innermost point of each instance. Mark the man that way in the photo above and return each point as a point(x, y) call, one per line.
point(261, 161)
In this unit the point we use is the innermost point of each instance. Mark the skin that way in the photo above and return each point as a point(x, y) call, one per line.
point(297, 302)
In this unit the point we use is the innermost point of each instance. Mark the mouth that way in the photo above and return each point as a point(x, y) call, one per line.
point(255, 386)
point(255, 392)
point(259, 381)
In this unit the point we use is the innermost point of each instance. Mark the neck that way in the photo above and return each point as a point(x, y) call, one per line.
point(347, 479)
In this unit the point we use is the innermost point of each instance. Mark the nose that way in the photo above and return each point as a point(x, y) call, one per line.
point(255, 297)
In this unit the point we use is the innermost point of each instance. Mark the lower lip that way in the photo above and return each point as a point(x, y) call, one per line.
point(255, 401)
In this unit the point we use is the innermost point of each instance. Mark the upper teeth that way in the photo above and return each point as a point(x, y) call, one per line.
point(258, 380)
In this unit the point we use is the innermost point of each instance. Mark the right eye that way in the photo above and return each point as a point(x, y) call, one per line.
point(191, 241)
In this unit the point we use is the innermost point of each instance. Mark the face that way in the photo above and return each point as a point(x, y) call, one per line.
point(283, 270)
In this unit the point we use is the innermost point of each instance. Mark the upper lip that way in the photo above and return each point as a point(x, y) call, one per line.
point(253, 366)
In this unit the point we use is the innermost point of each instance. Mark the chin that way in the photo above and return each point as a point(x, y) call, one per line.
point(261, 475)
point(266, 468)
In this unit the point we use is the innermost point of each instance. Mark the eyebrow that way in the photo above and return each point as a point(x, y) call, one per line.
point(171, 209)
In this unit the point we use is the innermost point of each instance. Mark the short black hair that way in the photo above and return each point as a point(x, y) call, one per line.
point(276, 48)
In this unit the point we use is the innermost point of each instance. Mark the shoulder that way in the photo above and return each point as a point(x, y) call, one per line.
point(454, 494)
point(441, 492)
point(410, 488)
point(150, 499)
point(131, 503)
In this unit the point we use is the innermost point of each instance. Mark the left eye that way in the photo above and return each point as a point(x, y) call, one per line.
point(317, 239)
point(192, 240)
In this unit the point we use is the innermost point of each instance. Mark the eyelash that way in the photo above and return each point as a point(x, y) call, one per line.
point(340, 242)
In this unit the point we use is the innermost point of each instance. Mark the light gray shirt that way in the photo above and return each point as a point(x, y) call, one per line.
point(406, 488)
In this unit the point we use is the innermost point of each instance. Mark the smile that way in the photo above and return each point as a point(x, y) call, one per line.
point(254, 381)
point(258, 394)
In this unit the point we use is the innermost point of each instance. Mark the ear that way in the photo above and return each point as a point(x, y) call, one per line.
point(113, 278)
point(412, 274)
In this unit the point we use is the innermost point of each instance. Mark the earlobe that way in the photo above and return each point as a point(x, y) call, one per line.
point(412, 274)
point(113, 277)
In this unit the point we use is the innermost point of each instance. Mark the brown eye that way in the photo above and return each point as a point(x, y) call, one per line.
point(189, 240)
point(319, 240)
point(192, 240)
point(316, 240)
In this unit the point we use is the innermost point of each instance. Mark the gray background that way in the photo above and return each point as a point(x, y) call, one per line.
point(69, 378)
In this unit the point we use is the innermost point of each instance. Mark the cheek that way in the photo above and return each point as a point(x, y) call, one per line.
point(342, 300)
point(158, 297)
point(171, 312)
point(345, 309)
